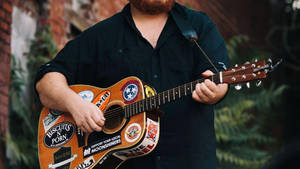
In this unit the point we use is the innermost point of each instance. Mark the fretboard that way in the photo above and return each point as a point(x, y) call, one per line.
point(153, 102)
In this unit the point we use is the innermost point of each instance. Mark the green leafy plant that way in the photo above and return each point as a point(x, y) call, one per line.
point(24, 106)
point(239, 119)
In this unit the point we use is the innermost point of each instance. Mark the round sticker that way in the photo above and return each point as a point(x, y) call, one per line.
point(130, 92)
point(132, 132)
point(87, 95)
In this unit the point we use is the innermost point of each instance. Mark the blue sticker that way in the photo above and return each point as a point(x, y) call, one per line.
point(130, 92)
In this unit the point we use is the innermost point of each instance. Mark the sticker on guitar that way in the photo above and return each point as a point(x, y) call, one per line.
point(86, 164)
point(62, 158)
point(50, 120)
point(152, 128)
point(101, 146)
point(87, 95)
point(59, 134)
point(130, 91)
point(102, 99)
point(133, 132)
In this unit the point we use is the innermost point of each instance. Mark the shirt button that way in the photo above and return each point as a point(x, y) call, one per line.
point(155, 76)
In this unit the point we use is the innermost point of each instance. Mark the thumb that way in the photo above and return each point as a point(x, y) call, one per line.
point(207, 73)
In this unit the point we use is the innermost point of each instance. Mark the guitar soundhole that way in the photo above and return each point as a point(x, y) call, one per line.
point(114, 117)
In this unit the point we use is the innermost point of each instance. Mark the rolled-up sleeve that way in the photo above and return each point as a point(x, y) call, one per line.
point(65, 63)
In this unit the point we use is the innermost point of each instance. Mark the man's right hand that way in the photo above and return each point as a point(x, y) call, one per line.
point(88, 116)
point(55, 93)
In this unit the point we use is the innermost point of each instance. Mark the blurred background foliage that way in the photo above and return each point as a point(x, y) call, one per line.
point(24, 104)
point(249, 123)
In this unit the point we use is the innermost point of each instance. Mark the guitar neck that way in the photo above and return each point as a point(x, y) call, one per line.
point(153, 102)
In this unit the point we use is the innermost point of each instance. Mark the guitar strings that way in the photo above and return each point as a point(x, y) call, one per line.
point(114, 113)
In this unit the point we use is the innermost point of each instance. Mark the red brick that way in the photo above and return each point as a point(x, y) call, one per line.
point(4, 88)
point(4, 108)
point(4, 99)
point(4, 57)
point(7, 6)
point(4, 26)
point(4, 72)
point(2, 14)
point(5, 37)
point(8, 17)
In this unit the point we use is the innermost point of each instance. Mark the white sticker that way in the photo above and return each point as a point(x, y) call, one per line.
point(152, 130)
point(87, 95)
point(49, 121)
point(133, 132)
point(86, 164)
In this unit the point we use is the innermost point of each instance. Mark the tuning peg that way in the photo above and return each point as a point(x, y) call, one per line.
point(247, 62)
point(258, 83)
point(238, 87)
point(248, 85)
point(255, 60)
point(236, 65)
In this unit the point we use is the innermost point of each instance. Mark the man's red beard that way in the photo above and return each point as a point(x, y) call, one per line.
point(153, 7)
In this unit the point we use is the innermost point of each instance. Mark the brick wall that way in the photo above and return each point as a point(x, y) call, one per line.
point(5, 31)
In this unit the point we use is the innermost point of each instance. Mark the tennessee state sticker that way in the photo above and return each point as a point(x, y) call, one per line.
point(130, 91)
point(152, 130)
point(132, 132)
point(102, 99)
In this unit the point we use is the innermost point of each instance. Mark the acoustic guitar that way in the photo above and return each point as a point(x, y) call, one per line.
point(132, 121)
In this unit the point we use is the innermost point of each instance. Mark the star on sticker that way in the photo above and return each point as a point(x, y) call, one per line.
point(127, 90)
point(129, 96)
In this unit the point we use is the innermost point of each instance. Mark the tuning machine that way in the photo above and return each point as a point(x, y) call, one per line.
point(258, 83)
point(238, 87)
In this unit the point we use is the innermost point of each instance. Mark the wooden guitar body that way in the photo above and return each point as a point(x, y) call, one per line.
point(62, 145)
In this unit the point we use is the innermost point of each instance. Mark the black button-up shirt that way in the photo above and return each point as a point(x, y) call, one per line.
point(114, 49)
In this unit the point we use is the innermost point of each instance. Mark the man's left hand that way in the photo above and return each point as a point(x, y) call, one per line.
point(208, 92)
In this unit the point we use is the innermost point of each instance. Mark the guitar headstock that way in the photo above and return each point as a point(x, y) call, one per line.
point(248, 72)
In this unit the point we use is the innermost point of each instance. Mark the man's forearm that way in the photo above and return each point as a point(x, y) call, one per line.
point(54, 91)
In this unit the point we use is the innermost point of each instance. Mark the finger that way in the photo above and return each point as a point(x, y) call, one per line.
point(207, 92)
point(93, 126)
point(83, 129)
point(207, 73)
point(196, 97)
point(200, 94)
point(211, 85)
point(97, 118)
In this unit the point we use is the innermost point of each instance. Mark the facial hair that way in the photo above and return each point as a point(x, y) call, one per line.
point(153, 7)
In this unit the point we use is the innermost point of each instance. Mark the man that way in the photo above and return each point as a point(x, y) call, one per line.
point(146, 40)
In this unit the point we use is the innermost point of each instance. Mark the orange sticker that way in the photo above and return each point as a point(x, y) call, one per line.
point(102, 99)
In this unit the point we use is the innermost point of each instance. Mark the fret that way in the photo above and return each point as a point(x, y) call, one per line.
point(168, 95)
point(130, 110)
point(212, 78)
point(154, 101)
point(184, 89)
point(136, 108)
point(191, 87)
point(146, 104)
point(158, 99)
point(143, 105)
point(164, 100)
point(150, 103)
point(125, 110)
point(139, 104)
point(179, 92)
point(173, 93)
